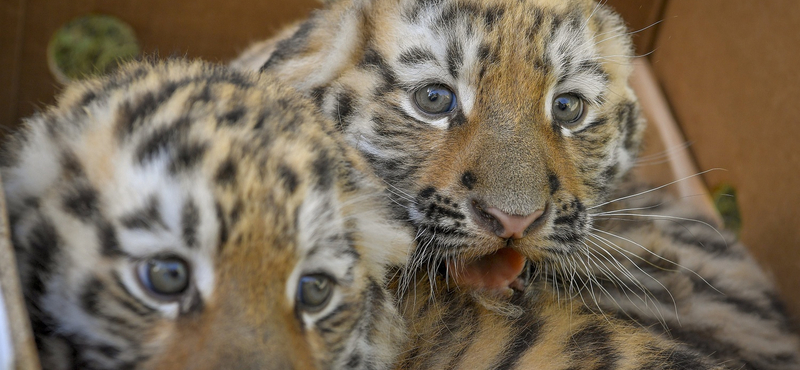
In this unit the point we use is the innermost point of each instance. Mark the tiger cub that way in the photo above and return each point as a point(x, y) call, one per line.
point(181, 215)
point(502, 128)
point(501, 125)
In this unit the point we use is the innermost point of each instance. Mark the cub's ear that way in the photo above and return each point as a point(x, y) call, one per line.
point(337, 24)
point(311, 53)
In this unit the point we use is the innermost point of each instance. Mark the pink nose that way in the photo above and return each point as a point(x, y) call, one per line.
point(512, 226)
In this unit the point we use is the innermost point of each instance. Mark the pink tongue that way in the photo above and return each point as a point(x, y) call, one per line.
point(493, 272)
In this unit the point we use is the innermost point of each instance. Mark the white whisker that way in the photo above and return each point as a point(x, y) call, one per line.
point(657, 256)
point(656, 188)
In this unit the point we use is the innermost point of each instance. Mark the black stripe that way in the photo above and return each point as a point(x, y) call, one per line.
point(236, 212)
point(555, 183)
point(113, 82)
point(145, 218)
point(95, 300)
point(43, 244)
point(459, 324)
point(289, 177)
point(81, 201)
point(437, 212)
point(628, 117)
point(493, 15)
point(354, 360)
point(223, 228)
point(430, 229)
point(131, 113)
point(161, 139)
point(187, 156)
point(714, 245)
point(90, 297)
point(593, 342)
point(136, 306)
point(698, 339)
point(324, 168)
point(107, 236)
point(374, 60)
point(263, 116)
point(684, 359)
point(226, 173)
point(564, 236)
point(295, 44)
point(486, 55)
point(343, 109)
point(530, 327)
point(339, 316)
point(233, 116)
point(190, 218)
point(71, 167)
point(455, 57)
point(416, 55)
point(318, 95)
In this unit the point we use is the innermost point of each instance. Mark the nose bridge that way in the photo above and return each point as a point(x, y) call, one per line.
point(512, 163)
point(257, 315)
point(246, 324)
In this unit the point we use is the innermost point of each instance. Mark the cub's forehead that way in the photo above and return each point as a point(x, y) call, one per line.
point(442, 15)
point(566, 45)
point(161, 146)
point(452, 35)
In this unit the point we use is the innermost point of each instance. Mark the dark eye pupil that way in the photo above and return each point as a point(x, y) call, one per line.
point(567, 109)
point(314, 291)
point(166, 277)
point(435, 99)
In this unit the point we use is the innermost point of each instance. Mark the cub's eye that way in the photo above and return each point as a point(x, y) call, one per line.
point(314, 292)
point(435, 99)
point(164, 277)
point(567, 110)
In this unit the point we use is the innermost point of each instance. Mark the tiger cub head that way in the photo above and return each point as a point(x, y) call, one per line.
point(499, 125)
point(181, 215)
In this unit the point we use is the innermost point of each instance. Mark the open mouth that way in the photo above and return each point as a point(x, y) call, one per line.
point(496, 272)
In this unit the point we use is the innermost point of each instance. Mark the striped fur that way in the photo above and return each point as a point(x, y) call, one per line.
point(505, 60)
point(675, 274)
point(239, 178)
point(537, 329)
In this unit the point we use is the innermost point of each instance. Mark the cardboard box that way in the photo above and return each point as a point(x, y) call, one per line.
point(729, 71)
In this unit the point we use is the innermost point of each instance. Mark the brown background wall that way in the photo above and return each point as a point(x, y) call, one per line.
point(729, 69)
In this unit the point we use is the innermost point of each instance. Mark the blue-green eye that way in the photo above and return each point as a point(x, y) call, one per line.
point(314, 292)
point(567, 110)
point(164, 277)
point(435, 99)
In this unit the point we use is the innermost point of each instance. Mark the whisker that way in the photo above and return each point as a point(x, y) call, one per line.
point(625, 34)
point(672, 298)
point(399, 192)
point(665, 153)
point(656, 188)
point(667, 217)
point(657, 256)
point(647, 293)
point(614, 212)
